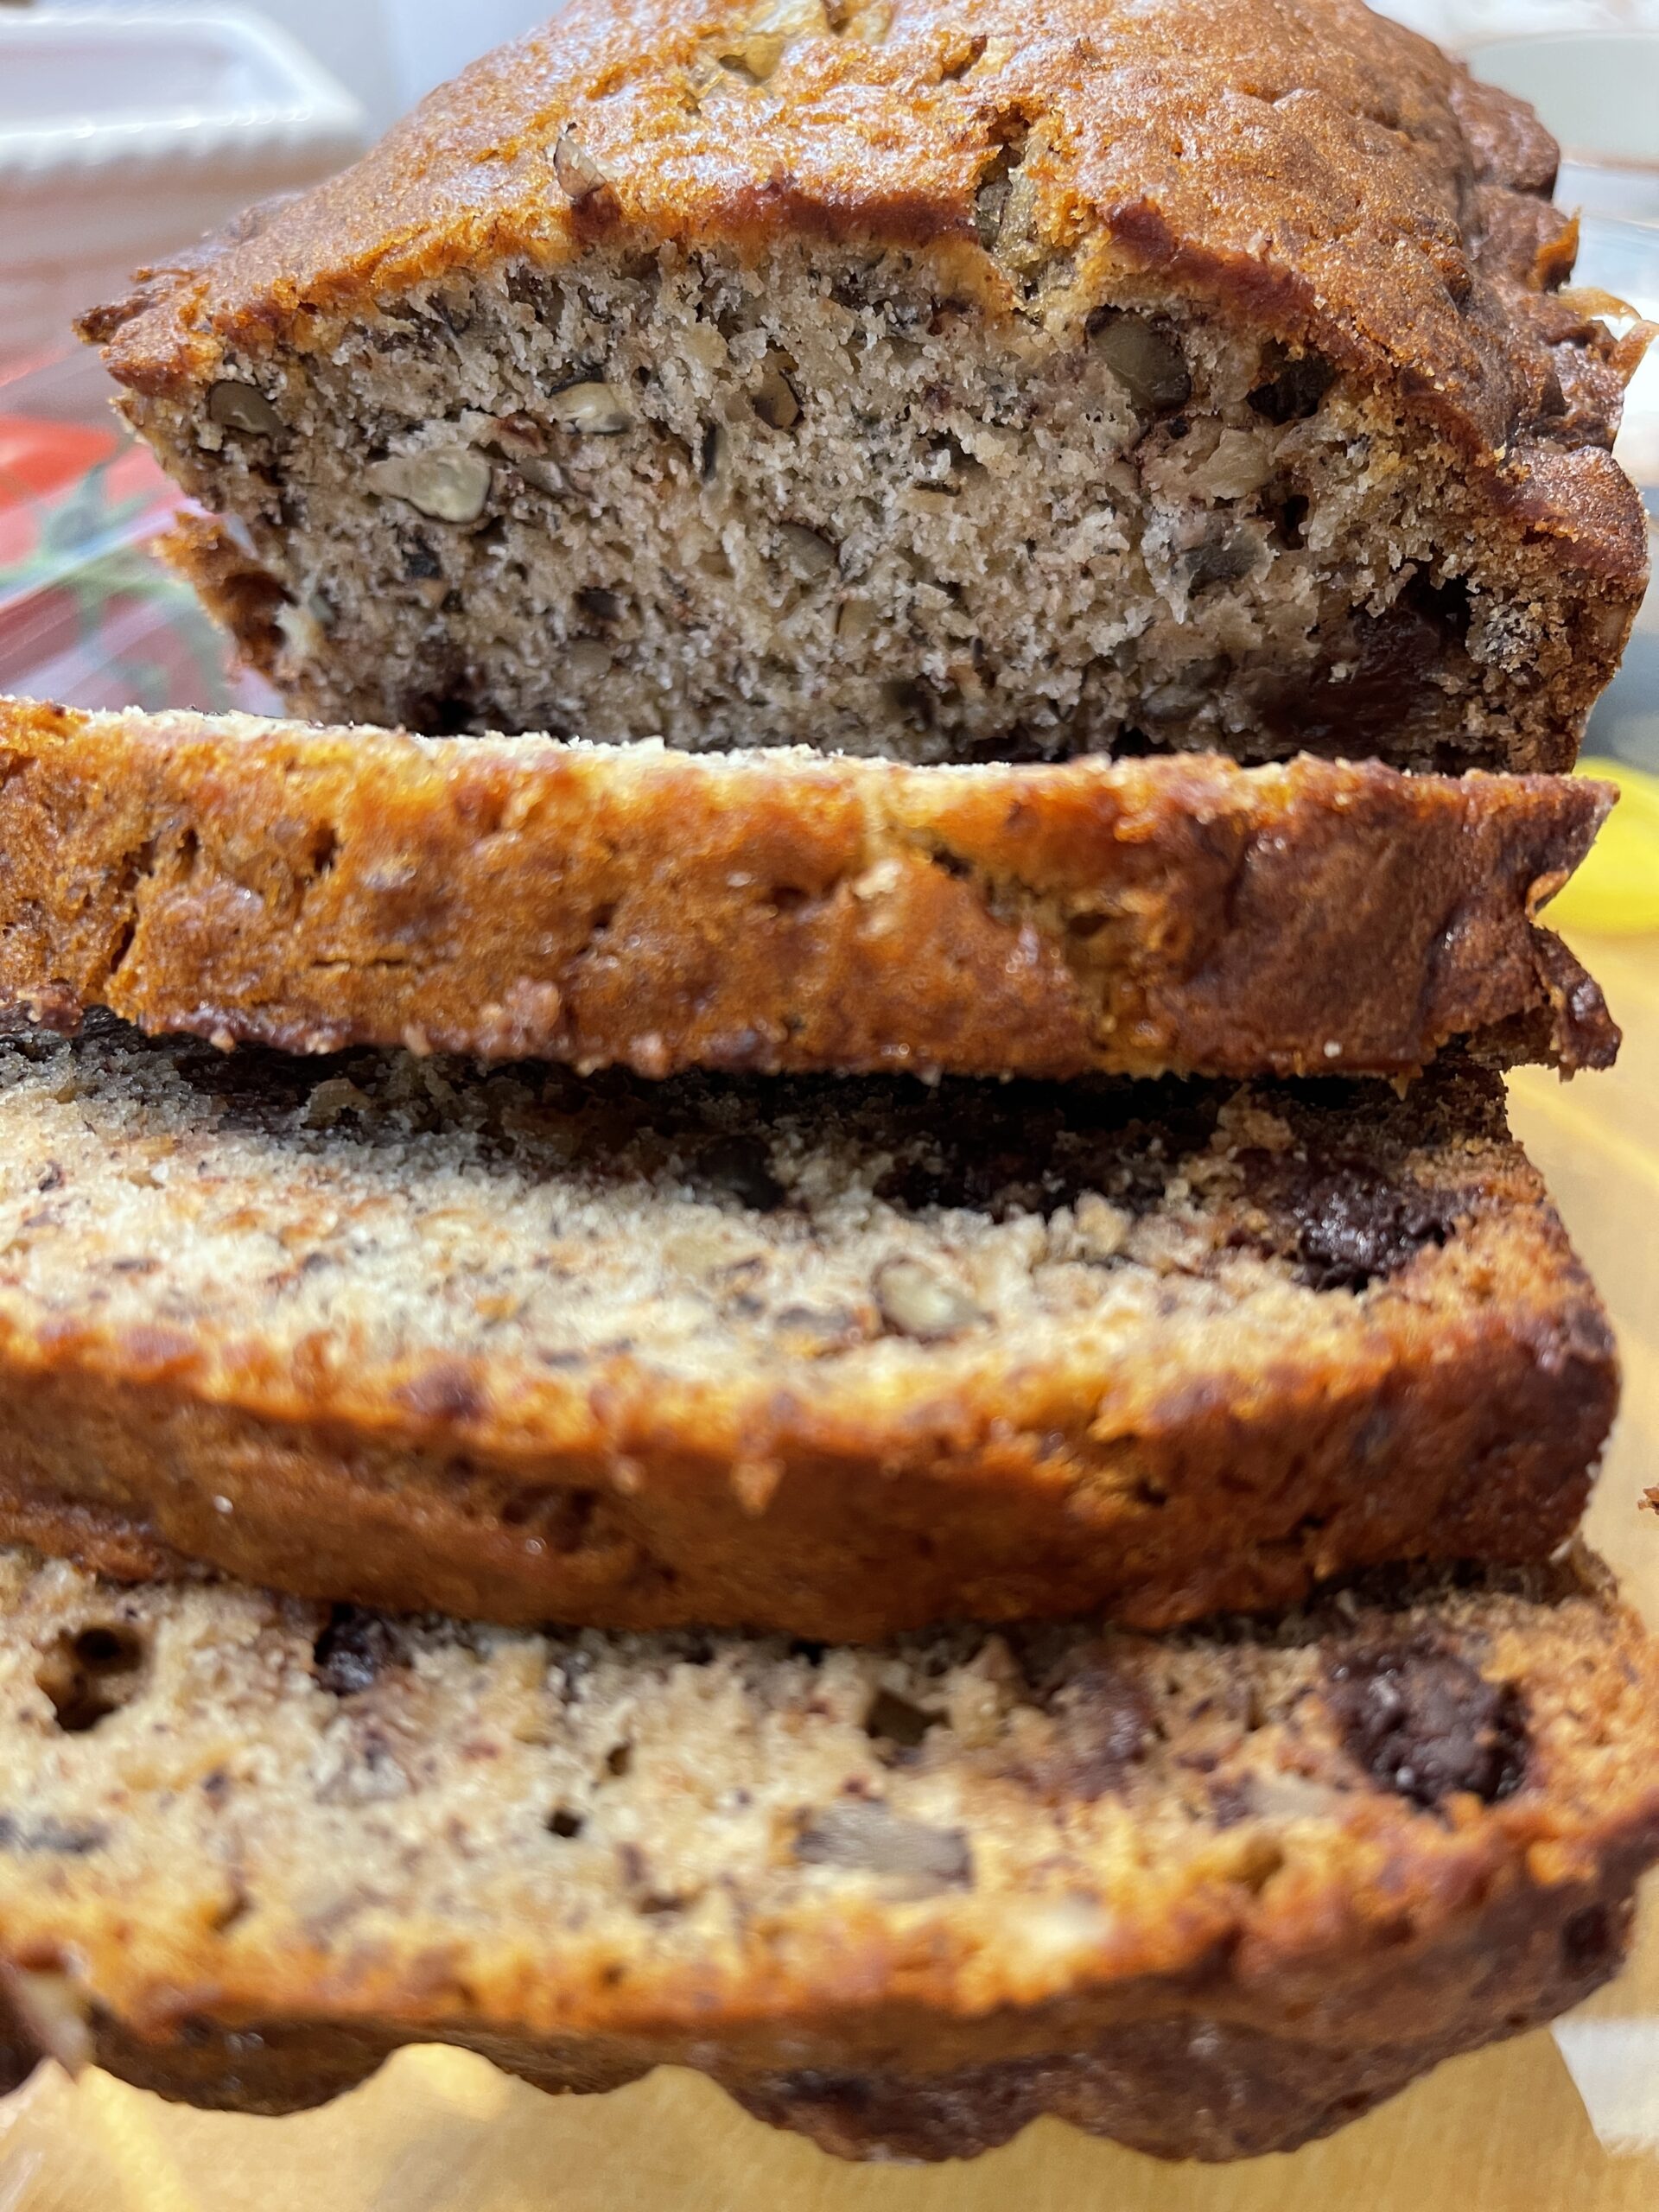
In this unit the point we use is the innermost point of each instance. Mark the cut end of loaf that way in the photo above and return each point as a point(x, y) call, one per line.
point(826, 498)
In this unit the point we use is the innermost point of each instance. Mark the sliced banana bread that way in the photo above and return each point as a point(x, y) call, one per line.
point(832, 1356)
point(913, 378)
point(312, 889)
point(1210, 1895)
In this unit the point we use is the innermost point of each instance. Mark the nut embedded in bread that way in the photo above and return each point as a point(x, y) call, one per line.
point(1210, 1895)
point(313, 889)
point(912, 380)
point(835, 1356)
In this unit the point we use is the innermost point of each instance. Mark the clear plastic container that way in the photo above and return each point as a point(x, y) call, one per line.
point(125, 135)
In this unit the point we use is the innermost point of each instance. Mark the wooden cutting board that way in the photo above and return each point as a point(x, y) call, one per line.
point(1503, 2131)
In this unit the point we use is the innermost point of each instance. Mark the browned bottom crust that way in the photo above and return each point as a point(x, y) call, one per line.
point(1209, 1895)
point(1187, 2087)
point(312, 889)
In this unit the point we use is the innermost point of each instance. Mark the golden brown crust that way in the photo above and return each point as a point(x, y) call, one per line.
point(1320, 174)
point(312, 889)
point(1481, 1448)
point(1190, 2086)
point(1192, 1459)
point(1201, 1975)
point(243, 598)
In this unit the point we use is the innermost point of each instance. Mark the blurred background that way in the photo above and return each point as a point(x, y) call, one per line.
point(386, 52)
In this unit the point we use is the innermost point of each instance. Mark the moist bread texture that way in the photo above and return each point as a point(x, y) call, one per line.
point(1212, 1894)
point(313, 889)
point(920, 380)
point(836, 1355)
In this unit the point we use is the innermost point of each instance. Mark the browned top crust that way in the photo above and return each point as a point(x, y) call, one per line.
point(310, 889)
point(1318, 174)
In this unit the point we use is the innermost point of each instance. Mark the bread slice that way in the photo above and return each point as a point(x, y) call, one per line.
point(312, 889)
point(877, 377)
point(835, 1357)
point(1210, 1895)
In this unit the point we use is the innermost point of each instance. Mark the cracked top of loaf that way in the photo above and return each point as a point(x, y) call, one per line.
point(1315, 173)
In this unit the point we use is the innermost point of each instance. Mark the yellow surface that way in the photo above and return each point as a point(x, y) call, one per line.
point(1616, 892)
point(1503, 2131)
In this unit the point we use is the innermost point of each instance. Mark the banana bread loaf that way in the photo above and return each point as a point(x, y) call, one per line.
point(312, 889)
point(921, 379)
point(831, 1356)
point(1210, 1895)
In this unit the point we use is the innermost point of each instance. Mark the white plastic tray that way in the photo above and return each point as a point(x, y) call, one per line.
point(125, 136)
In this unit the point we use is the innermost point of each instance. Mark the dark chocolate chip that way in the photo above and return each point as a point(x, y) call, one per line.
point(1222, 556)
point(739, 1168)
point(421, 564)
point(896, 1720)
point(1103, 1724)
point(1371, 688)
point(598, 605)
point(1292, 389)
point(355, 1648)
point(1423, 1724)
point(1347, 1223)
